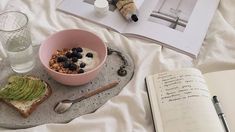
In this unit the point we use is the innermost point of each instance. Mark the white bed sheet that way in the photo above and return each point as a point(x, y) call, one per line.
point(129, 111)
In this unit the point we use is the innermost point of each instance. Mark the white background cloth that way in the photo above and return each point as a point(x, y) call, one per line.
point(129, 111)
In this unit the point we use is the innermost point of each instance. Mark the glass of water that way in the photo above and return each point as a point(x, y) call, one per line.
point(16, 40)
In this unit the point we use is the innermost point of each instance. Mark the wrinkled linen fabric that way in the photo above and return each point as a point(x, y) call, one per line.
point(129, 111)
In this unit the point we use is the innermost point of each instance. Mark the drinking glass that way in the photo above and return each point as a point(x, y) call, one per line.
point(16, 40)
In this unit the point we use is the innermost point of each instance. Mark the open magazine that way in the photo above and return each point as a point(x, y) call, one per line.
point(178, 24)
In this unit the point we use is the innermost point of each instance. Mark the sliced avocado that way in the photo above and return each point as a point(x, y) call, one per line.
point(32, 85)
point(35, 90)
point(12, 89)
point(13, 78)
point(38, 91)
point(27, 88)
point(6, 88)
point(15, 88)
point(22, 88)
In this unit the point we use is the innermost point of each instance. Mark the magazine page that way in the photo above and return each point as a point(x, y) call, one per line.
point(85, 9)
point(178, 24)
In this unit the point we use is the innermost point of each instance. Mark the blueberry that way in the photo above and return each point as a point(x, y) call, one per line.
point(74, 59)
point(74, 54)
point(79, 56)
point(73, 67)
point(66, 64)
point(79, 49)
point(74, 49)
point(68, 54)
point(82, 65)
point(90, 55)
point(62, 59)
point(81, 71)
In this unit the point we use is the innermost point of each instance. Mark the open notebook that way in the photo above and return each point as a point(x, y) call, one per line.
point(181, 100)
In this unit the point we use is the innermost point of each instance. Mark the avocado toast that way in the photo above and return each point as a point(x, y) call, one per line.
point(25, 93)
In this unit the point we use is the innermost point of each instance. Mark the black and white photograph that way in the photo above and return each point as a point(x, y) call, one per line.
point(173, 13)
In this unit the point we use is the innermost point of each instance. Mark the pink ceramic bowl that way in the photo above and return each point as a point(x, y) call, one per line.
point(70, 39)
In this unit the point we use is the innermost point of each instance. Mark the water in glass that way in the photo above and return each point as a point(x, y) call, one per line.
point(20, 55)
point(16, 40)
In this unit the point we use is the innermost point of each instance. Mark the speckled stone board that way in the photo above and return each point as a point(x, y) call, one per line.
point(10, 118)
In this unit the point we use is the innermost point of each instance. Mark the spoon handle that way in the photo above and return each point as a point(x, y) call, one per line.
point(96, 91)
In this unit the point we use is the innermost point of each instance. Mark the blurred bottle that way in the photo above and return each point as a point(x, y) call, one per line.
point(127, 8)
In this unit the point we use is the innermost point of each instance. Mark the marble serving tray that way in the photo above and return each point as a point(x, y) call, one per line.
point(116, 60)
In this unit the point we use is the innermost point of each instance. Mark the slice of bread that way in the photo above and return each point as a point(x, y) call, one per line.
point(27, 107)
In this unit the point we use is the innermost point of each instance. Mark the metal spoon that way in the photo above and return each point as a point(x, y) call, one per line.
point(64, 105)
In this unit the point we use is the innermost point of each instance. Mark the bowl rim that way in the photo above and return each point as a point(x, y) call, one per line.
point(64, 74)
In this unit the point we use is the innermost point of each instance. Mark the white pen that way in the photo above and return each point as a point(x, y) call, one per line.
point(220, 113)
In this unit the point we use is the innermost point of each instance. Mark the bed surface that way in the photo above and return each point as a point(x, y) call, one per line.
point(129, 111)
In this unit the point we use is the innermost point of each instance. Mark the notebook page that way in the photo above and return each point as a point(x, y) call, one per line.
point(222, 84)
point(154, 104)
point(185, 103)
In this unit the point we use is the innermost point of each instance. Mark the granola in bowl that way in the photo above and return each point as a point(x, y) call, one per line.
point(74, 61)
